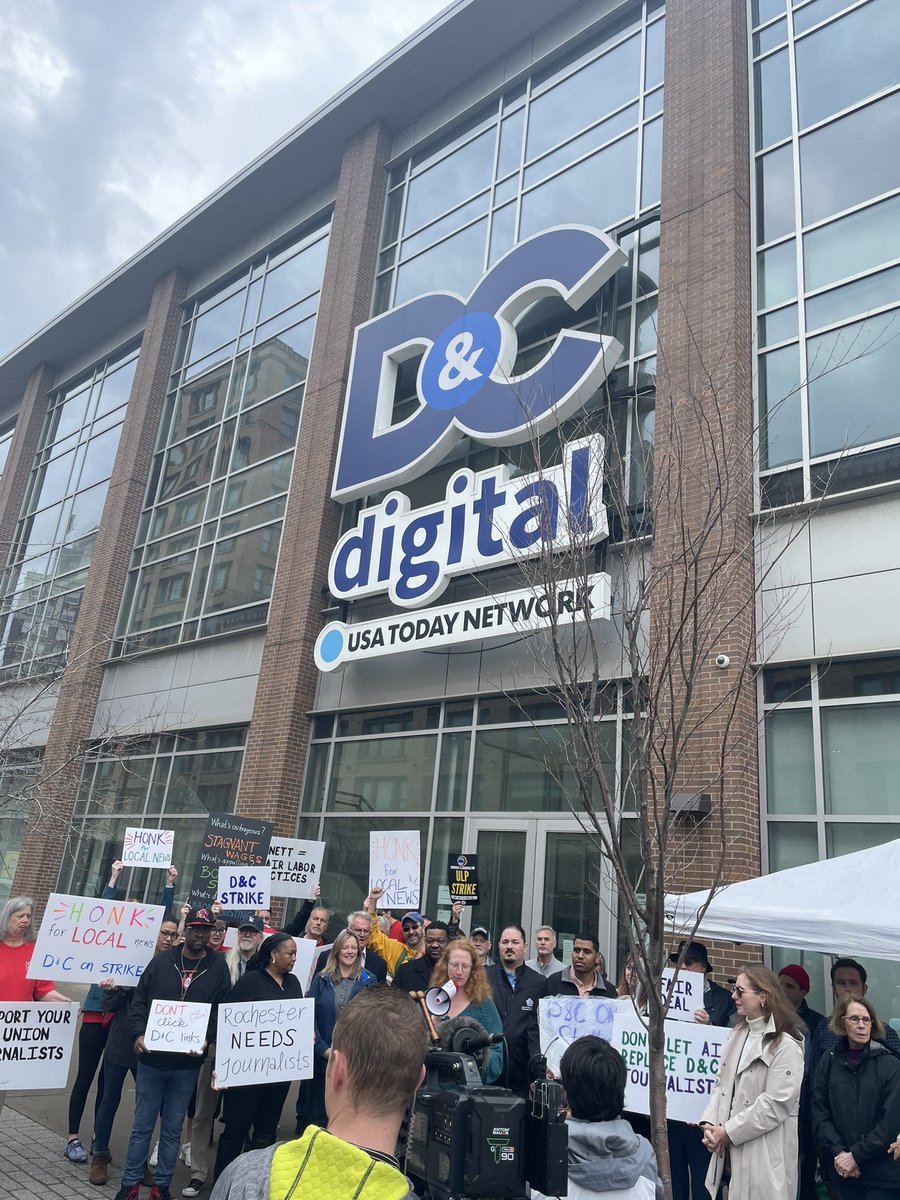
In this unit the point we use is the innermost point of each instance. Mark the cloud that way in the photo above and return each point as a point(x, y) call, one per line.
point(34, 71)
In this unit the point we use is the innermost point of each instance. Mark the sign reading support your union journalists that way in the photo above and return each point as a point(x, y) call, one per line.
point(36, 1045)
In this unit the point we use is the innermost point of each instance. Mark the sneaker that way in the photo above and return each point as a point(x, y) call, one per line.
point(99, 1169)
point(158, 1192)
point(154, 1157)
point(185, 1155)
point(128, 1191)
point(194, 1188)
point(75, 1152)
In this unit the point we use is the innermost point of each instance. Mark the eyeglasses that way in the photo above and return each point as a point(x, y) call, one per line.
point(859, 1020)
point(739, 991)
point(168, 934)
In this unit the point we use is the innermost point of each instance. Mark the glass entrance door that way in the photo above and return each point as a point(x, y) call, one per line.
point(540, 872)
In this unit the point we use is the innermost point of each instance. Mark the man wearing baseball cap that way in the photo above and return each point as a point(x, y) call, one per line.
point(165, 1082)
point(393, 953)
point(481, 940)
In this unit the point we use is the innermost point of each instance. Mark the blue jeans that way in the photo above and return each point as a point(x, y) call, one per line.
point(165, 1094)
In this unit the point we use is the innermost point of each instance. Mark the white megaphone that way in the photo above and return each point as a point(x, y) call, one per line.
point(438, 999)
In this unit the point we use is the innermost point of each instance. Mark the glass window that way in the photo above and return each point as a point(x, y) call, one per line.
point(875, 291)
point(290, 281)
point(841, 838)
point(844, 163)
point(601, 87)
point(656, 41)
point(519, 770)
point(651, 164)
point(786, 685)
point(852, 383)
point(792, 845)
point(450, 181)
point(779, 326)
point(598, 191)
point(216, 327)
point(243, 569)
point(790, 771)
point(862, 677)
point(852, 244)
point(765, 10)
point(457, 263)
point(778, 274)
point(779, 406)
point(624, 120)
point(383, 775)
point(510, 152)
point(848, 60)
point(772, 91)
point(775, 195)
point(445, 225)
point(453, 771)
point(446, 839)
point(818, 10)
point(861, 759)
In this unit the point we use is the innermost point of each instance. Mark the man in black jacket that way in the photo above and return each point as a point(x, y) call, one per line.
point(415, 974)
point(165, 1082)
point(584, 977)
point(517, 990)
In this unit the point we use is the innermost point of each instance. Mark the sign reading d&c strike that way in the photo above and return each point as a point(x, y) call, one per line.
point(244, 889)
point(83, 940)
point(463, 877)
point(228, 841)
point(36, 1045)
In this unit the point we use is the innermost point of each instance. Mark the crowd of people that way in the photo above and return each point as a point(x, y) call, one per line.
point(799, 1096)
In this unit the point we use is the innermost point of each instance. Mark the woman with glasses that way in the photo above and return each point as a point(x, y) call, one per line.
point(856, 1105)
point(461, 965)
point(750, 1123)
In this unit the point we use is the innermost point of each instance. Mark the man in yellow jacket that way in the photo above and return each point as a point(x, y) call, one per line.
point(369, 1083)
point(393, 952)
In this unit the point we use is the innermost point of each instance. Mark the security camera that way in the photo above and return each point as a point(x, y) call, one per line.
point(722, 661)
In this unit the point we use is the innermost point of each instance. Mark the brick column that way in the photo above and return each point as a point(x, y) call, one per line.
point(22, 450)
point(704, 427)
point(277, 742)
point(79, 687)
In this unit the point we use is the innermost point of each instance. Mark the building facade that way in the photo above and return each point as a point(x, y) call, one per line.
point(170, 444)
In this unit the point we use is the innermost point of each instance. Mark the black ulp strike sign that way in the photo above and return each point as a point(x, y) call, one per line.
point(463, 878)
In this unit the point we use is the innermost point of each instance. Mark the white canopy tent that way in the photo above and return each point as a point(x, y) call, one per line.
point(847, 905)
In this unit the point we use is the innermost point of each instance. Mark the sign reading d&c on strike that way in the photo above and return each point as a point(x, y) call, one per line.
point(83, 940)
point(463, 878)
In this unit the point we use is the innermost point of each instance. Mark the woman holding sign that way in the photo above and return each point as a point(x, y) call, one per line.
point(332, 989)
point(750, 1123)
point(258, 1106)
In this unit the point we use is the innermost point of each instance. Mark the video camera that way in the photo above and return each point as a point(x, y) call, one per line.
point(479, 1142)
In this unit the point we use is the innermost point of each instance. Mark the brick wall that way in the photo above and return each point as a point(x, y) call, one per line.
point(277, 742)
point(79, 688)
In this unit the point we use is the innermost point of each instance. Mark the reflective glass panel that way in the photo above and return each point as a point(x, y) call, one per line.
point(779, 403)
point(450, 181)
point(599, 191)
point(853, 298)
point(852, 244)
point(852, 384)
point(861, 759)
point(457, 262)
point(772, 92)
point(383, 775)
point(790, 768)
point(775, 195)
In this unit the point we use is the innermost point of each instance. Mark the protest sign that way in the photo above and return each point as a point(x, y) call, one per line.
point(264, 1042)
point(295, 867)
point(244, 889)
point(228, 841)
point(177, 1026)
point(394, 863)
point(83, 940)
point(462, 870)
point(562, 1019)
point(148, 847)
point(687, 994)
point(307, 957)
point(691, 1064)
point(36, 1045)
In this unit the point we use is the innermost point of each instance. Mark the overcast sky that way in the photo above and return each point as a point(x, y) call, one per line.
point(116, 116)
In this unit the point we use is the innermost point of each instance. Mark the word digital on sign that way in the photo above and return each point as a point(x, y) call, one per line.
point(36, 1045)
point(148, 847)
point(466, 388)
point(462, 872)
point(228, 841)
point(83, 940)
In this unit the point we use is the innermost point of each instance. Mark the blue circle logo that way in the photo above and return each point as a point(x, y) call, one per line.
point(460, 361)
point(331, 646)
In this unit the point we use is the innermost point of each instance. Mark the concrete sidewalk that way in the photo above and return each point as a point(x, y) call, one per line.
point(32, 1166)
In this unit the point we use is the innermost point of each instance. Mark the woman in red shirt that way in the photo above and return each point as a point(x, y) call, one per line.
point(16, 948)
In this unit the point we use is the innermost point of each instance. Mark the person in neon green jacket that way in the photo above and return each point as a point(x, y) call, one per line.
point(369, 1083)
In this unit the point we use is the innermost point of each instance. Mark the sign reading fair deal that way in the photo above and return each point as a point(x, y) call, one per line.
point(84, 941)
point(148, 847)
point(36, 1045)
point(394, 863)
point(295, 867)
point(264, 1042)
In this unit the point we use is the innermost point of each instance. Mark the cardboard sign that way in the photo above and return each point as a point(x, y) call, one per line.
point(36, 1045)
point(296, 867)
point(687, 996)
point(264, 1042)
point(228, 841)
point(82, 940)
point(462, 872)
point(691, 1064)
point(394, 864)
point(148, 847)
point(307, 957)
point(562, 1019)
point(177, 1026)
point(244, 889)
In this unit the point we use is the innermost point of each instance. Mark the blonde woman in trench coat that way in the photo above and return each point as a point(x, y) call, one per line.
point(750, 1123)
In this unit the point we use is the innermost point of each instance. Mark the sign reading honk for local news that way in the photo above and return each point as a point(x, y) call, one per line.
point(84, 940)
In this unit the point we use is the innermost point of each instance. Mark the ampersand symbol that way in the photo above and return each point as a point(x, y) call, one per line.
point(460, 363)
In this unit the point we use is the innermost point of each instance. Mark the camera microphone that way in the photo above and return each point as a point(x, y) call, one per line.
point(469, 1041)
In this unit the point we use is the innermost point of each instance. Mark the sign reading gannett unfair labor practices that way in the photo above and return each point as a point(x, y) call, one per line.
point(394, 864)
point(264, 1042)
point(148, 847)
point(177, 1026)
point(462, 871)
point(466, 387)
point(36, 1045)
point(228, 841)
point(691, 1064)
point(83, 940)
point(295, 867)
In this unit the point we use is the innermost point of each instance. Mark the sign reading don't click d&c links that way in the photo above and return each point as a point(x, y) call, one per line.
point(462, 873)
point(467, 387)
